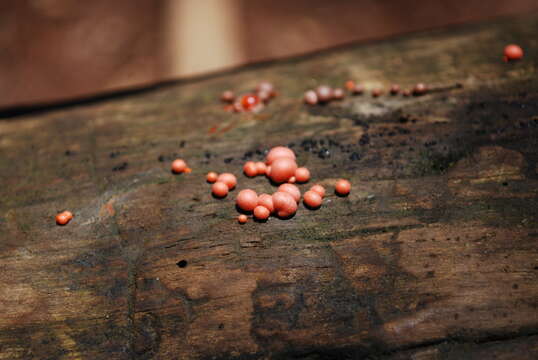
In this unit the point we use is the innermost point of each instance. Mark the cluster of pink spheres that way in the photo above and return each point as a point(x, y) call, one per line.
point(312, 198)
point(281, 167)
point(324, 94)
point(253, 102)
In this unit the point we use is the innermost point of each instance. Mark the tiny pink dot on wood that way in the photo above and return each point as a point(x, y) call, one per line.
point(211, 177)
point(178, 166)
point(310, 97)
point(343, 187)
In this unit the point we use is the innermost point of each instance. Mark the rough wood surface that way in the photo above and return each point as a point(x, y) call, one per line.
point(432, 256)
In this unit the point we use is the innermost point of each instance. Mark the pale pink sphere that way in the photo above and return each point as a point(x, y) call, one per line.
point(285, 204)
point(266, 200)
point(242, 218)
point(318, 189)
point(312, 199)
point(250, 169)
point(247, 200)
point(265, 86)
point(310, 97)
point(228, 179)
point(342, 187)
point(261, 168)
point(292, 190)
point(338, 94)
point(282, 169)
point(261, 212)
point(279, 152)
point(219, 189)
point(179, 166)
point(302, 174)
point(324, 93)
point(292, 180)
point(211, 177)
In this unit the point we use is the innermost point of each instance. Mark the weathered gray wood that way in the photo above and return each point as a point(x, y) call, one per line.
point(432, 256)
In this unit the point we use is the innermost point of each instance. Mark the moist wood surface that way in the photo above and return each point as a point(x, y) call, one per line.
point(432, 256)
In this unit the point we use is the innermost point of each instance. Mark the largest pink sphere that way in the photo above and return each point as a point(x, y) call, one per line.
point(282, 169)
point(279, 152)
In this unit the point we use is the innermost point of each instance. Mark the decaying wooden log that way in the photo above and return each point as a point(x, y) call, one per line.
point(432, 256)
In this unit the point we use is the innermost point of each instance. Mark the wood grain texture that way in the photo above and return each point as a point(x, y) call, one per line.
point(432, 256)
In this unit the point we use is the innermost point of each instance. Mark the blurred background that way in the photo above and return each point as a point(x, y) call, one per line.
point(61, 50)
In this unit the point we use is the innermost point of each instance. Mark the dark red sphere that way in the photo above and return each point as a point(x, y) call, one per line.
point(249, 101)
point(513, 52)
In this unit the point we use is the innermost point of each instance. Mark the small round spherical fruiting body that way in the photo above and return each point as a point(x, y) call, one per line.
point(211, 177)
point(247, 200)
point(261, 212)
point(227, 96)
point(302, 175)
point(358, 89)
point(64, 217)
point(394, 89)
point(279, 152)
point(250, 169)
point(310, 97)
point(338, 94)
point(513, 52)
point(242, 218)
point(420, 89)
point(261, 168)
point(324, 93)
point(349, 85)
point(291, 189)
point(377, 92)
point(312, 199)
point(282, 169)
point(229, 179)
point(265, 86)
point(178, 166)
point(342, 187)
point(285, 205)
point(219, 189)
point(249, 101)
point(264, 96)
point(318, 189)
point(292, 180)
point(266, 200)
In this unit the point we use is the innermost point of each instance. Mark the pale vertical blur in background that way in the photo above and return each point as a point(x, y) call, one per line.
point(58, 50)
